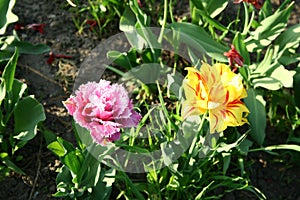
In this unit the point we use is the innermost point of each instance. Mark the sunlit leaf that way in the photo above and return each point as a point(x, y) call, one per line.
point(268, 30)
point(267, 83)
point(28, 113)
point(284, 76)
point(289, 38)
point(56, 148)
point(6, 14)
point(212, 7)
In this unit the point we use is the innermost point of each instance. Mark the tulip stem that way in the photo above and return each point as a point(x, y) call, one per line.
point(247, 22)
point(160, 38)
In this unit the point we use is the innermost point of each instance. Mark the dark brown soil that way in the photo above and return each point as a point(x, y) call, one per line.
point(278, 177)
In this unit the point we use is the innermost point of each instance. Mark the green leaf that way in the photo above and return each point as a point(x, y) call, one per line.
point(109, 177)
point(266, 10)
point(267, 82)
point(270, 28)
point(66, 145)
point(284, 146)
point(49, 136)
point(212, 7)
point(226, 161)
point(56, 148)
point(288, 58)
point(73, 161)
point(101, 192)
point(266, 64)
point(240, 46)
point(2, 91)
point(284, 76)
point(9, 71)
point(7, 161)
point(64, 176)
point(127, 25)
point(27, 47)
point(257, 117)
point(288, 38)
point(211, 21)
point(5, 55)
point(174, 85)
point(6, 15)
point(197, 38)
point(244, 146)
point(83, 136)
point(90, 172)
point(28, 113)
point(18, 90)
point(148, 73)
point(3, 10)
point(296, 87)
point(279, 78)
point(293, 147)
point(120, 59)
point(103, 188)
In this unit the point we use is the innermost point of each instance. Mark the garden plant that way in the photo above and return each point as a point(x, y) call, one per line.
point(194, 97)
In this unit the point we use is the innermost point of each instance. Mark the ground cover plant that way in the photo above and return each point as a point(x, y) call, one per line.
point(192, 102)
point(17, 128)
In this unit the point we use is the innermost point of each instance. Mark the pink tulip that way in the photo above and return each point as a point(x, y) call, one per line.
point(102, 108)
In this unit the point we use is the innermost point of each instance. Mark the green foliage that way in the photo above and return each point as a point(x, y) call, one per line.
point(192, 163)
point(296, 85)
point(205, 10)
point(20, 113)
point(82, 176)
point(199, 39)
point(8, 43)
point(268, 30)
point(25, 123)
point(257, 117)
point(96, 15)
point(27, 113)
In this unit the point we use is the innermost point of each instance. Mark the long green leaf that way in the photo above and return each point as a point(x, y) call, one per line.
point(2, 92)
point(3, 10)
point(212, 7)
point(28, 48)
point(9, 71)
point(240, 46)
point(296, 87)
point(7, 161)
point(270, 28)
point(293, 147)
point(127, 25)
point(257, 116)
point(289, 38)
point(197, 38)
point(72, 161)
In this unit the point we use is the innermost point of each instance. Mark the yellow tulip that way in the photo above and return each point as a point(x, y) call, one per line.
point(218, 91)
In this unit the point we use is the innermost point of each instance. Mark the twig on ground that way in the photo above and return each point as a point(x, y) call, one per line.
point(38, 170)
point(39, 73)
